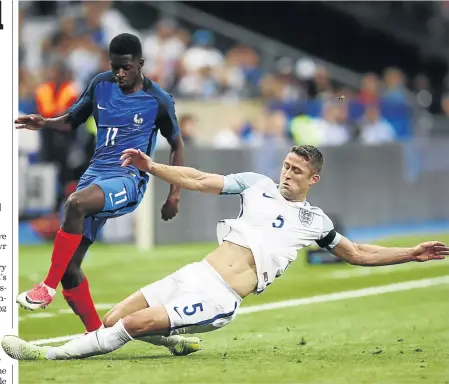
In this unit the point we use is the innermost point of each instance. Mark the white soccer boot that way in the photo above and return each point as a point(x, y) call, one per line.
point(20, 349)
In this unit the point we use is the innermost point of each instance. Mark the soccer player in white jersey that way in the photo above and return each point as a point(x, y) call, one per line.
point(275, 222)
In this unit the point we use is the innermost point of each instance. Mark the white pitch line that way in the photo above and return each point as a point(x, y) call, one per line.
point(40, 315)
point(67, 311)
point(360, 272)
point(371, 291)
point(98, 307)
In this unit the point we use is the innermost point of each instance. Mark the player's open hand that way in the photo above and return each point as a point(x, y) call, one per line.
point(137, 158)
point(430, 250)
point(31, 122)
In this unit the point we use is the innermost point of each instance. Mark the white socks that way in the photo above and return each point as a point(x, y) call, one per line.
point(103, 341)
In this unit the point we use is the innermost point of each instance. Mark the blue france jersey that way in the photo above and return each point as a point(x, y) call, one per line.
point(124, 121)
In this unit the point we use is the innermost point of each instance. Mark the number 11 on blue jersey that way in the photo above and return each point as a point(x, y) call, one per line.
point(110, 139)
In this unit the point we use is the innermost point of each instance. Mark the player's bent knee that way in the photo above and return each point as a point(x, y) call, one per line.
point(136, 326)
point(153, 320)
point(74, 205)
point(132, 304)
point(111, 318)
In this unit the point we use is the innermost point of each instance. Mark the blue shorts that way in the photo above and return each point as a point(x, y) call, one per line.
point(122, 195)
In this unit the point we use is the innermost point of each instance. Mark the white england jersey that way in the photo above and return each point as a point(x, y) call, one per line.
point(271, 226)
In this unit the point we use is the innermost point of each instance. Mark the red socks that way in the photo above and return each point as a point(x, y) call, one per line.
point(64, 247)
point(80, 300)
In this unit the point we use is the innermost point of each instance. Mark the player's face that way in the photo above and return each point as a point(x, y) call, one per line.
point(126, 70)
point(297, 177)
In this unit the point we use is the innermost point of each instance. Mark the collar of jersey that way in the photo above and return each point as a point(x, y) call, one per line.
point(296, 204)
point(147, 84)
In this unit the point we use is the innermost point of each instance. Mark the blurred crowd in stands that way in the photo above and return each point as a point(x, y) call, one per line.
point(62, 45)
point(301, 100)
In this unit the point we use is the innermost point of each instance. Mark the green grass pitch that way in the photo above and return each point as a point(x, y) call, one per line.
point(397, 337)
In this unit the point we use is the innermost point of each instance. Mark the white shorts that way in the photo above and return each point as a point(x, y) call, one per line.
point(196, 298)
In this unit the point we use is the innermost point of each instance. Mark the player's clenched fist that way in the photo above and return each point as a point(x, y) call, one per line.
point(137, 158)
point(31, 122)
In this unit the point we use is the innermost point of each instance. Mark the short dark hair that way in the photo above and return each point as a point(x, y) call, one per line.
point(126, 44)
point(311, 154)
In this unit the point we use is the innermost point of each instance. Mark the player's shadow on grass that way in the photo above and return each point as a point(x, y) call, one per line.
point(103, 358)
point(124, 357)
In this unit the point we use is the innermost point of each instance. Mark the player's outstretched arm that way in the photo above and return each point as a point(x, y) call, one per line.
point(183, 177)
point(37, 122)
point(374, 255)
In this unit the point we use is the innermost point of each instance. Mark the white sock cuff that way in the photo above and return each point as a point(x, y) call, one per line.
point(121, 328)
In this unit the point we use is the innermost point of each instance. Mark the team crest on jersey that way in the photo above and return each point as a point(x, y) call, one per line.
point(305, 216)
point(138, 120)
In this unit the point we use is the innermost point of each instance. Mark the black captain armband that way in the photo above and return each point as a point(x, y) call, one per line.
point(327, 240)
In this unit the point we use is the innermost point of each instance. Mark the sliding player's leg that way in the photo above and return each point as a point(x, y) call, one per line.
point(192, 300)
point(160, 291)
point(148, 322)
point(99, 342)
point(152, 320)
point(199, 301)
point(185, 302)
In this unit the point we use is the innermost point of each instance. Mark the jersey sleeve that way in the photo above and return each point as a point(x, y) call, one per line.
point(82, 109)
point(166, 119)
point(329, 237)
point(236, 183)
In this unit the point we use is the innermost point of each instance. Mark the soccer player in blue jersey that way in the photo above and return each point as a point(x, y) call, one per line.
point(129, 109)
